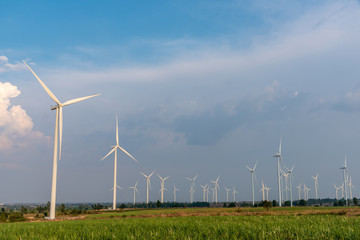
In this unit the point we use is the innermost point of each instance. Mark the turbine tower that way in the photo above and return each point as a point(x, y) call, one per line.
point(267, 192)
point(344, 168)
point(252, 171)
point(278, 156)
point(148, 185)
point(316, 185)
point(162, 183)
point(57, 137)
point(192, 188)
point(135, 190)
point(175, 190)
point(114, 149)
point(216, 187)
point(336, 191)
point(227, 193)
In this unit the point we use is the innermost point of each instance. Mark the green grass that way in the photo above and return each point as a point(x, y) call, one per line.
point(194, 227)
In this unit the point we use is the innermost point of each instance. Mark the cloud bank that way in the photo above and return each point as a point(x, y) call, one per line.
point(16, 127)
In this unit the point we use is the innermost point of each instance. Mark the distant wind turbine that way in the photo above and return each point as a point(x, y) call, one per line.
point(135, 190)
point(252, 171)
point(216, 187)
point(162, 183)
point(316, 185)
point(227, 193)
point(234, 193)
point(175, 190)
point(204, 191)
point(299, 188)
point(278, 156)
point(192, 187)
point(114, 149)
point(57, 137)
point(148, 185)
point(351, 186)
point(345, 172)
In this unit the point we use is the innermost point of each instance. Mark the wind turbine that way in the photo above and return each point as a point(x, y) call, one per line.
point(299, 187)
point(350, 188)
point(216, 187)
point(148, 184)
point(207, 193)
point(162, 183)
point(263, 191)
point(135, 190)
point(175, 189)
point(57, 137)
point(204, 191)
point(278, 156)
point(336, 191)
point(252, 171)
point(267, 192)
point(344, 168)
point(234, 193)
point(342, 190)
point(192, 187)
point(114, 149)
point(316, 185)
point(213, 194)
point(286, 175)
point(290, 172)
point(227, 193)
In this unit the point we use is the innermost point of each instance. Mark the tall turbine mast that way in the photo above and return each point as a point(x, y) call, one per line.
point(57, 137)
point(227, 193)
point(344, 168)
point(162, 183)
point(216, 187)
point(135, 190)
point(175, 190)
point(316, 185)
point(278, 156)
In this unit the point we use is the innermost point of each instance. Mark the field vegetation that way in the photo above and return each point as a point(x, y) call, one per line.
point(195, 223)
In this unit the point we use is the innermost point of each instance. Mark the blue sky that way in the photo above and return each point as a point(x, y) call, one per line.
point(200, 88)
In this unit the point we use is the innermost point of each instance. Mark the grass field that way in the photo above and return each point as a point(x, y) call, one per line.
point(204, 223)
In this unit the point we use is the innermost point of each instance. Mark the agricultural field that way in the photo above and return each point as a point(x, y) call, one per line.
point(196, 223)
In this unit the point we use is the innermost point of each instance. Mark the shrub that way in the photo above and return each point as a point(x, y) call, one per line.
point(16, 217)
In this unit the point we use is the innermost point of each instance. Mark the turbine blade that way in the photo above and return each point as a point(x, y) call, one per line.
point(254, 166)
point(280, 147)
point(149, 183)
point(151, 174)
point(127, 153)
point(248, 168)
point(143, 174)
point(78, 99)
point(195, 177)
point(44, 86)
point(60, 129)
point(108, 153)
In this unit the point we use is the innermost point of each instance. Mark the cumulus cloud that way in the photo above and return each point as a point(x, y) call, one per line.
point(16, 127)
point(5, 66)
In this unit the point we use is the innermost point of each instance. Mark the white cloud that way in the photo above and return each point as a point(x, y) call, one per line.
point(16, 127)
point(5, 66)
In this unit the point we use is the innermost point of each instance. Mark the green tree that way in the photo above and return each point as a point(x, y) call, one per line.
point(355, 201)
point(62, 208)
point(274, 203)
point(267, 205)
point(302, 203)
point(158, 204)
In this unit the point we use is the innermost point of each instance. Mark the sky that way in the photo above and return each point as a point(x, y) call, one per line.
point(204, 87)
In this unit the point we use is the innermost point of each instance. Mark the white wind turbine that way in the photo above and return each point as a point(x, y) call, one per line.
point(278, 156)
point(213, 194)
point(192, 187)
point(114, 149)
point(234, 193)
point(344, 168)
point(207, 193)
point(227, 193)
point(290, 172)
point(316, 185)
point(175, 190)
point(351, 186)
point(299, 188)
point(252, 171)
point(57, 137)
point(336, 191)
point(267, 192)
point(148, 185)
point(135, 190)
point(342, 190)
point(216, 187)
point(286, 175)
point(204, 191)
point(263, 191)
point(162, 184)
